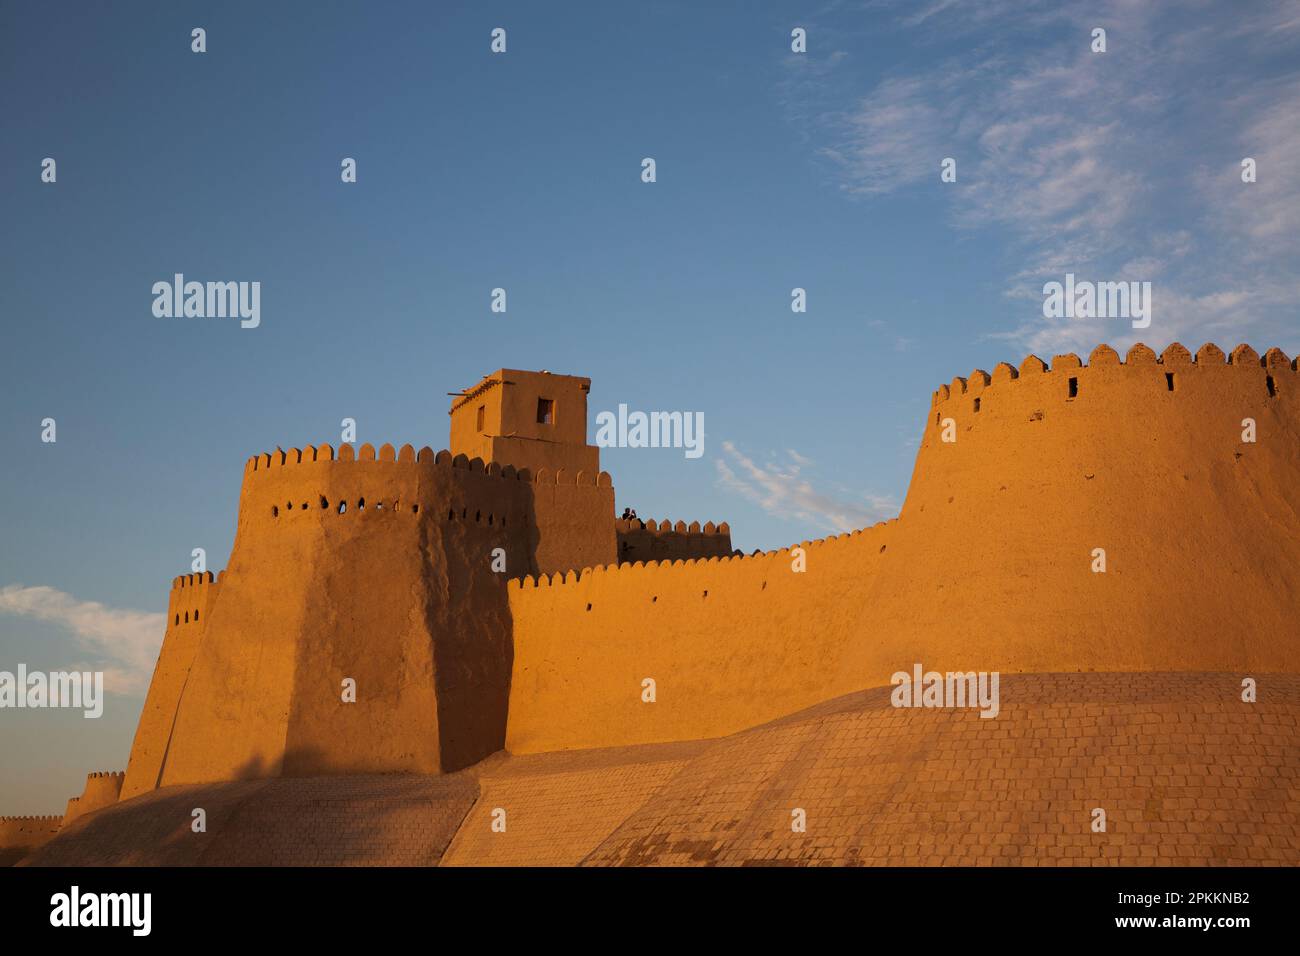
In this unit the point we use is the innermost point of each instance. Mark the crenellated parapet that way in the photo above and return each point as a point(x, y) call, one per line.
point(569, 513)
point(191, 599)
point(270, 461)
point(1158, 372)
point(650, 540)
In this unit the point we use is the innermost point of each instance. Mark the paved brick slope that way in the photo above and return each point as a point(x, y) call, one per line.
point(1186, 773)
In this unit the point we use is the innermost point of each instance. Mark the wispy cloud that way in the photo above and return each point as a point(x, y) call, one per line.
point(1123, 165)
point(121, 643)
point(782, 489)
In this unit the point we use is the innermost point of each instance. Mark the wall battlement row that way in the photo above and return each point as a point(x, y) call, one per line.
point(194, 580)
point(558, 579)
point(47, 818)
point(1174, 357)
point(663, 540)
point(191, 597)
point(680, 527)
point(426, 456)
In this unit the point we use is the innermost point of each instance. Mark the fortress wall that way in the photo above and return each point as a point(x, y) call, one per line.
point(396, 592)
point(988, 567)
point(729, 641)
point(188, 607)
point(573, 521)
point(664, 541)
point(19, 836)
point(102, 790)
point(1201, 531)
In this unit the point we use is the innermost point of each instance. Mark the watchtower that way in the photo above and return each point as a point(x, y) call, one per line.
point(530, 420)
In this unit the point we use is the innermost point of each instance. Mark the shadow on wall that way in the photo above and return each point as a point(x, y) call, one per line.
point(466, 611)
point(404, 820)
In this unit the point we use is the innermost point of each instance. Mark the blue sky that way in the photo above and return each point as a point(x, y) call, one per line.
point(775, 170)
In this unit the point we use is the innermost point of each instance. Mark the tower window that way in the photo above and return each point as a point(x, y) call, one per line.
point(481, 417)
point(1074, 388)
point(545, 411)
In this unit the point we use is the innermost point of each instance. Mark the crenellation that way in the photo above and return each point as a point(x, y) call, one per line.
point(1210, 354)
point(1032, 365)
point(1244, 355)
point(1065, 362)
point(1140, 354)
point(1103, 355)
point(1276, 360)
point(1139, 359)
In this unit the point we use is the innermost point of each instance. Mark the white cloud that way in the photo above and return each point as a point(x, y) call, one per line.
point(123, 643)
point(1115, 166)
point(782, 490)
